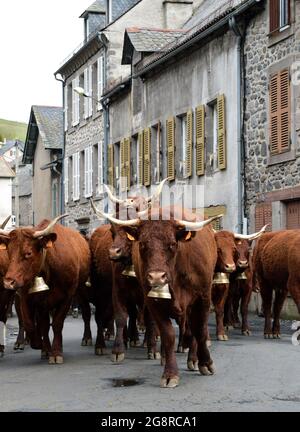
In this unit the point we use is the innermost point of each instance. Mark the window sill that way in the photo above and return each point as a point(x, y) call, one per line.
point(280, 36)
point(282, 157)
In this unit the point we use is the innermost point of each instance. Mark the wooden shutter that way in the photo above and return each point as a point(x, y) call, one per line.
point(221, 132)
point(66, 107)
point(280, 108)
point(293, 215)
point(171, 148)
point(100, 83)
point(90, 100)
point(141, 157)
point(127, 162)
point(110, 162)
point(189, 144)
point(66, 179)
point(147, 157)
point(214, 211)
point(274, 15)
point(86, 91)
point(263, 216)
point(122, 165)
point(200, 139)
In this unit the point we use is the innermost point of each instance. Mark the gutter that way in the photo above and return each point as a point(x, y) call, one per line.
point(198, 37)
point(62, 175)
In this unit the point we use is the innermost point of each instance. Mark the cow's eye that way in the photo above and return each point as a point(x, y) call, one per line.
point(28, 255)
point(172, 246)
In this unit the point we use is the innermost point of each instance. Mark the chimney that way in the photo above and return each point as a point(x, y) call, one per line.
point(177, 12)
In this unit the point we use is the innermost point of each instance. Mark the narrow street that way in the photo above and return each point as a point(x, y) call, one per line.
point(253, 374)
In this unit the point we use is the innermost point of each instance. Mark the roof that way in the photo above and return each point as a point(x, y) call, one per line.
point(5, 170)
point(120, 7)
point(99, 6)
point(10, 144)
point(46, 122)
point(147, 40)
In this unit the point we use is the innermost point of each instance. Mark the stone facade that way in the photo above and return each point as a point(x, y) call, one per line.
point(264, 56)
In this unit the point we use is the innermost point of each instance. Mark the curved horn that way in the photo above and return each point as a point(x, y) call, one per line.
point(49, 228)
point(112, 197)
point(196, 226)
point(5, 223)
point(251, 236)
point(158, 190)
point(101, 215)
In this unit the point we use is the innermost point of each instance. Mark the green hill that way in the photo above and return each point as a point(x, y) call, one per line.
point(12, 130)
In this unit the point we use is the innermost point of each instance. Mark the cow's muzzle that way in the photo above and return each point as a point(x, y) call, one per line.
point(242, 264)
point(10, 284)
point(229, 268)
point(115, 254)
point(157, 279)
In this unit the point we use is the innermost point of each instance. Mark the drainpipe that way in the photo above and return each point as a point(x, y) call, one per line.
point(234, 27)
point(62, 189)
point(103, 39)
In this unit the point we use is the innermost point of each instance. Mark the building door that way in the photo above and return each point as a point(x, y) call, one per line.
point(293, 215)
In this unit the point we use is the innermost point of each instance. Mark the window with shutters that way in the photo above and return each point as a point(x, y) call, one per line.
point(66, 179)
point(75, 102)
point(280, 113)
point(263, 216)
point(214, 211)
point(100, 80)
point(157, 151)
point(88, 172)
point(76, 176)
point(170, 142)
point(280, 15)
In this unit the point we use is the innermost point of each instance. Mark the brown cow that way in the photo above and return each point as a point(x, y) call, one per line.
point(276, 263)
point(166, 255)
point(61, 256)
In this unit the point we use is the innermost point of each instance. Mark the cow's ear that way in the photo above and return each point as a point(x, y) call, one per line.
point(183, 235)
point(47, 241)
point(132, 233)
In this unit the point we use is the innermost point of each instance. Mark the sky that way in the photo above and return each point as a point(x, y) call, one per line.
point(35, 37)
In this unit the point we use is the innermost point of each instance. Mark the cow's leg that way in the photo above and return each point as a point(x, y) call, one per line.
point(192, 360)
point(59, 316)
point(118, 351)
point(228, 315)
point(100, 341)
point(219, 296)
point(246, 296)
point(133, 334)
point(110, 331)
point(266, 295)
point(20, 342)
point(43, 322)
point(86, 316)
point(236, 297)
point(150, 335)
point(199, 322)
point(280, 296)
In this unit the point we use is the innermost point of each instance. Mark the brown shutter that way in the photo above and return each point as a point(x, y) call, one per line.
point(189, 144)
point(110, 160)
point(147, 157)
point(141, 157)
point(221, 132)
point(171, 148)
point(200, 139)
point(127, 162)
point(280, 109)
point(263, 216)
point(274, 15)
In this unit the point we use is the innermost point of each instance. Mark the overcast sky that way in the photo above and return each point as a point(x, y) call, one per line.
point(35, 37)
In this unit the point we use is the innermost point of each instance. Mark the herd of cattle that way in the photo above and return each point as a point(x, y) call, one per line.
point(147, 270)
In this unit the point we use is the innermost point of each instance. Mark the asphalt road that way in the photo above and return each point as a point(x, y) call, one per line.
point(253, 374)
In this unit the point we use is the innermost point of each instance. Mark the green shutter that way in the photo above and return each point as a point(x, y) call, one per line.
point(189, 144)
point(221, 133)
point(171, 148)
point(141, 157)
point(200, 139)
point(147, 157)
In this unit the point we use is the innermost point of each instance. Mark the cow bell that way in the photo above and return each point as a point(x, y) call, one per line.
point(220, 278)
point(129, 271)
point(160, 292)
point(39, 285)
point(241, 276)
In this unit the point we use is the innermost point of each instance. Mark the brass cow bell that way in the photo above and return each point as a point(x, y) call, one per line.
point(129, 271)
point(88, 283)
point(220, 278)
point(160, 292)
point(39, 285)
point(241, 276)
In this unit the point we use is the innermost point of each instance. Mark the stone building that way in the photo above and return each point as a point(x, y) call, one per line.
point(6, 178)
point(179, 113)
point(272, 121)
point(43, 150)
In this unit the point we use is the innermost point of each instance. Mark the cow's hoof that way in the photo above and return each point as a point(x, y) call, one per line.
point(276, 336)
point(163, 361)
point(208, 343)
point(157, 338)
point(246, 333)
point(19, 346)
point(144, 344)
point(99, 351)
point(150, 356)
point(157, 355)
point(56, 360)
point(207, 370)
point(169, 382)
point(86, 342)
point(222, 337)
point(117, 358)
point(268, 336)
point(192, 365)
point(134, 344)
point(180, 349)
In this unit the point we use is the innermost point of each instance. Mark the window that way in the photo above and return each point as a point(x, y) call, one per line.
point(279, 15)
point(75, 102)
point(100, 167)
point(186, 144)
point(156, 137)
point(66, 179)
point(100, 80)
point(279, 100)
point(88, 89)
point(66, 107)
point(88, 171)
point(76, 176)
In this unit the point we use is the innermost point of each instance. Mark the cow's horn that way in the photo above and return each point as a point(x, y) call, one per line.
point(250, 236)
point(4, 223)
point(100, 214)
point(196, 226)
point(49, 228)
point(112, 197)
point(158, 190)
